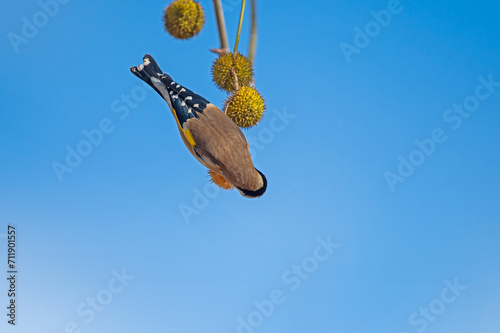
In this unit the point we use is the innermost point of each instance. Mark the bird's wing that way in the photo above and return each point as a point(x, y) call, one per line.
point(185, 103)
point(220, 142)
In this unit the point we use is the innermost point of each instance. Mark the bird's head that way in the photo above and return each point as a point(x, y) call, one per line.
point(257, 190)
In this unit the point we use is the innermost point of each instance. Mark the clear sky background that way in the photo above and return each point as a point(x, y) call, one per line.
point(351, 121)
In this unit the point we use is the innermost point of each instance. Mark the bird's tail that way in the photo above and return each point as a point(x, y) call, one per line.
point(147, 70)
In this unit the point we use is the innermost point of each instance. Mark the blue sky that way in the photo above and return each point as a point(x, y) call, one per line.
point(381, 211)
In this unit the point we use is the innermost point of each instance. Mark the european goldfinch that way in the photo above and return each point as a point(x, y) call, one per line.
point(211, 136)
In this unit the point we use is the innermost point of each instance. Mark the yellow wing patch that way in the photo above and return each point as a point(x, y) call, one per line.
point(187, 133)
point(189, 137)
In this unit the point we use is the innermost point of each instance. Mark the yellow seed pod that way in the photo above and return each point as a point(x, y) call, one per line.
point(219, 180)
point(184, 18)
point(245, 107)
point(222, 71)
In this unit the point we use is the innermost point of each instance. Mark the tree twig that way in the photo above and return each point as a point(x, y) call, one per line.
point(236, 85)
point(221, 24)
point(220, 52)
point(253, 31)
point(239, 26)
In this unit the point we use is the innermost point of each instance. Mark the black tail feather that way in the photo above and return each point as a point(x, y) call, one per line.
point(148, 69)
point(152, 67)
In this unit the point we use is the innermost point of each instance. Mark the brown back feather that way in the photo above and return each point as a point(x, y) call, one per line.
point(219, 140)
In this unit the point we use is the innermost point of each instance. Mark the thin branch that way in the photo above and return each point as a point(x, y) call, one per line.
point(221, 24)
point(236, 85)
point(253, 31)
point(220, 52)
point(239, 26)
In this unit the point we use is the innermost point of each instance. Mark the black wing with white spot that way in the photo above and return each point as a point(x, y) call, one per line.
point(186, 103)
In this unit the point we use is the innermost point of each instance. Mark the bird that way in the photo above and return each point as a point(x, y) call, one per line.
point(208, 133)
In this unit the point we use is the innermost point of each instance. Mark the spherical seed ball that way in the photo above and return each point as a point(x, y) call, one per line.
point(245, 107)
point(222, 73)
point(219, 180)
point(184, 18)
